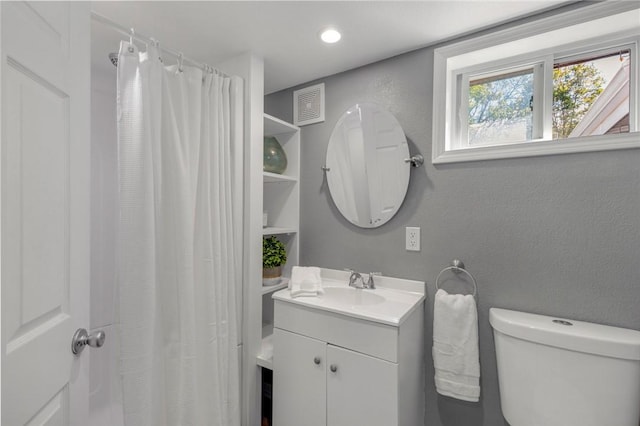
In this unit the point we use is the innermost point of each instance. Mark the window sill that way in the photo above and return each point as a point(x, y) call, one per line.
point(538, 148)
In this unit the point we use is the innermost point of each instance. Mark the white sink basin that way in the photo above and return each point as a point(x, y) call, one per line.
point(350, 296)
point(389, 303)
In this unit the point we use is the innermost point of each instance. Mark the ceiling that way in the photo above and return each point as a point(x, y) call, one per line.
point(285, 33)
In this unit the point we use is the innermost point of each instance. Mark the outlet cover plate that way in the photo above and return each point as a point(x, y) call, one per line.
point(412, 239)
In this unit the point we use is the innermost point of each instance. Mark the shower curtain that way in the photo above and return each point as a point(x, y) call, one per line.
point(179, 137)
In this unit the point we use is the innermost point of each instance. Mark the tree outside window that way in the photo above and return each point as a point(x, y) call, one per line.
point(500, 108)
point(575, 88)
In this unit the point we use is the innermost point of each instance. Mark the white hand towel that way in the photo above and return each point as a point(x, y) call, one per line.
point(305, 281)
point(455, 346)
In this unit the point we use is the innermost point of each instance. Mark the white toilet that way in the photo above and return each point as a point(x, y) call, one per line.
point(556, 372)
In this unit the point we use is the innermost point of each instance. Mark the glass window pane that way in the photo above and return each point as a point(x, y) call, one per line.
point(591, 96)
point(501, 108)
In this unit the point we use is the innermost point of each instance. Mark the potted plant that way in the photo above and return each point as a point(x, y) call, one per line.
point(274, 255)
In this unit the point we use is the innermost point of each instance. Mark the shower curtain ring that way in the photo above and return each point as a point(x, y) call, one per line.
point(131, 34)
point(180, 59)
point(156, 44)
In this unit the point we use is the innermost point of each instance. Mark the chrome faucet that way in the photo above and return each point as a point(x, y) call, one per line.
point(353, 280)
point(370, 284)
point(355, 276)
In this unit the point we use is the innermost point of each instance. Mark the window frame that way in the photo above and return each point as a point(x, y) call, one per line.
point(537, 65)
point(455, 64)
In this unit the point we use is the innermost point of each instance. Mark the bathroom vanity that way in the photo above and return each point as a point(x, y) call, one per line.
point(350, 356)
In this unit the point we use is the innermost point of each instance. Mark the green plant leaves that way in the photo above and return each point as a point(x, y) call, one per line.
point(273, 252)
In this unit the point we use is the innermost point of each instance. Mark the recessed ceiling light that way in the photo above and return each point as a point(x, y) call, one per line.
point(330, 35)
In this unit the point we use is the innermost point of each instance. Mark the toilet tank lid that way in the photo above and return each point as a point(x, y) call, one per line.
point(579, 336)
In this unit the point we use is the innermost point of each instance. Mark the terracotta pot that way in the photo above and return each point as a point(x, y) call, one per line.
point(271, 276)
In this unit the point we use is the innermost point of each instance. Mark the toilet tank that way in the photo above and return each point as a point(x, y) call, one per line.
point(557, 372)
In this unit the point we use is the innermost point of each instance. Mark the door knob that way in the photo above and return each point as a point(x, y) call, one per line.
point(81, 339)
point(333, 368)
point(316, 360)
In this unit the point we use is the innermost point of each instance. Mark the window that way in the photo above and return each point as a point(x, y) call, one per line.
point(591, 95)
point(500, 107)
point(555, 86)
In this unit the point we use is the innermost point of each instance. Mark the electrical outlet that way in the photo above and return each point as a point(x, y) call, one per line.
point(412, 240)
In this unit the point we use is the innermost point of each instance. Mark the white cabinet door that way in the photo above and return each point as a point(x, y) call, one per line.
point(361, 391)
point(299, 380)
point(45, 210)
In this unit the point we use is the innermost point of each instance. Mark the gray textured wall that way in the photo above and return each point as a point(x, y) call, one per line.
point(555, 235)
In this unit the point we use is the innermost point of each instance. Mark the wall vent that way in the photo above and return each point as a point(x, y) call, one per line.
point(308, 105)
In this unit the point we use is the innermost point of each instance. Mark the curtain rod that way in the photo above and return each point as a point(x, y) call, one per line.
point(148, 40)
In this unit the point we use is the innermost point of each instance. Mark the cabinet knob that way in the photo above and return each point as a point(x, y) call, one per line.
point(333, 368)
point(316, 360)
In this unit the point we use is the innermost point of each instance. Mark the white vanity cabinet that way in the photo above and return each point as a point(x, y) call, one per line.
point(362, 389)
point(301, 380)
point(332, 369)
point(361, 381)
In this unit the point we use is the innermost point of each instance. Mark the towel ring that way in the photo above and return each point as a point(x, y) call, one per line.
point(457, 266)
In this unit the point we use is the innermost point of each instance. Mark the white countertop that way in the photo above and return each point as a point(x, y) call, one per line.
point(401, 297)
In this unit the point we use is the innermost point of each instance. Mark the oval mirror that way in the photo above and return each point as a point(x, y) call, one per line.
point(366, 169)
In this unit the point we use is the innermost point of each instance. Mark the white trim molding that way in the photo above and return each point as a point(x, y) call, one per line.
point(596, 27)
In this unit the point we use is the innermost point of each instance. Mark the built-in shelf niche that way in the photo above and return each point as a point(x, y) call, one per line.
point(274, 177)
point(281, 202)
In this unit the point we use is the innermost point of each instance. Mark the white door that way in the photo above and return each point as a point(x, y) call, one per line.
point(361, 390)
point(44, 230)
point(385, 151)
point(299, 376)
